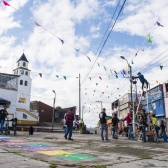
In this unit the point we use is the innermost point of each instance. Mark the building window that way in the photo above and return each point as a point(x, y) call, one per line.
point(24, 64)
point(26, 73)
point(34, 108)
point(17, 72)
point(21, 82)
point(24, 116)
point(18, 64)
point(22, 72)
point(26, 83)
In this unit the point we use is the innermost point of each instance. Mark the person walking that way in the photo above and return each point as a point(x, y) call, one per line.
point(69, 118)
point(3, 115)
point(143, 122)
point(104, 126)
point(129, 124)
point(115, 122)
point(162, 127)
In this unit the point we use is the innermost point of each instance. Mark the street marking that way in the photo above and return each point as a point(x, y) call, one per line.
point(55, 152)
point(39, 149)
point(76, 157)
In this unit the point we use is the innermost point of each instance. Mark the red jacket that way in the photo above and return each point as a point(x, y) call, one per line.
point(69, 118)
point(128, 118)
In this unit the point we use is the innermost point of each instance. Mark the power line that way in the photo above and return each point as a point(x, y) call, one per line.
point(104, 35)
point(105, 41)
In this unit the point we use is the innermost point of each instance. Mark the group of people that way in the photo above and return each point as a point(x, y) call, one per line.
point(128, 122)
point(104, 125)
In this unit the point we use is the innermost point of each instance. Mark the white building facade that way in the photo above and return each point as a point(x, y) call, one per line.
point(17, 89)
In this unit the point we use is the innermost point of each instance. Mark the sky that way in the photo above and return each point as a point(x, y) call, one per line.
point(82, 24)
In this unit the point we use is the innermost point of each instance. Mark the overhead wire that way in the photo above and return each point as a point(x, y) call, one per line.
point(105, 41)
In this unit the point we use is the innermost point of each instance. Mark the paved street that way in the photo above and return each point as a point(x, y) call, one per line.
point(52, 150)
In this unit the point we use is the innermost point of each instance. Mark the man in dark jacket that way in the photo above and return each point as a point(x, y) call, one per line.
point(142, 79)
point(104, 125)
point(115, 121)
point(69, 118)
point(3, 114)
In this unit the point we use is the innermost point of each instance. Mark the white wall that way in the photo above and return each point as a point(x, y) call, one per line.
point(20, 117)
point(11, 96)
point(24, 92)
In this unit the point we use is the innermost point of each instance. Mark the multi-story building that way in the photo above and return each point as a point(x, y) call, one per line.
point(156, 102)
point(16, 88)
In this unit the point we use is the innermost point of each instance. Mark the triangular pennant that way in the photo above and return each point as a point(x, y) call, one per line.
point(96, 84)
point(132, 62)
point(161, 67)
point(98, 64)
point(62, 41)
point(121, 72)
point(159, 24)
point(105, 68)
point(102, 92)
point(107, 86)
point(156, 81)
point(40, 75)
point(37, 24)
point(100, 78)
point(89, 58)
point(116, 76)
point(76, 50)
point(135, 54)
point(108, 96)
point(94, 90)
point(124, 72)
point(90, 78)
point(85, 88)
point(64, 77)
point(6, 3)
point(57, 76)
point(111, 71)
point(148, 39)
point(115, 72)
point(109, 77)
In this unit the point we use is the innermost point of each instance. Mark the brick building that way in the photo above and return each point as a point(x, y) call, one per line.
point(45, 111)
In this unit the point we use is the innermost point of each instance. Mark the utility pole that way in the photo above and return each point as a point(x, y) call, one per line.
point(79, 98)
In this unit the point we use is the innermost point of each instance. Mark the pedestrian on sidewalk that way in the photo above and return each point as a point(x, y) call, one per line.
point(3, 115)
point(115, 122)
point(69, 118)
point(104, 126)
point(143, 123)
point(162, 127)
point(129, 124)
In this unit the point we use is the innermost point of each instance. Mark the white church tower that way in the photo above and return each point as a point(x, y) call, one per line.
point(24, 83)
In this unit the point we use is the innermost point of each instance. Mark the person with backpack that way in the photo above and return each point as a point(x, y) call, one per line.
point(162, 127)
point(104, 126)
point(115, 122)
point(143, 123)
point(3, 115)
point(69, 118)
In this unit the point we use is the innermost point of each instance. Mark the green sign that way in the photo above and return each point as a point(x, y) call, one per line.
point(76, 157)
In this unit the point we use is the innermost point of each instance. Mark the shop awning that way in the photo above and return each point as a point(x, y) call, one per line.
point(4, 102)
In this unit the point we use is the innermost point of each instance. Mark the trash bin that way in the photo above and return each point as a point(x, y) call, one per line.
point(95, 131)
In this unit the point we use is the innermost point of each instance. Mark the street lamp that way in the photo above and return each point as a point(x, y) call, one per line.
point(130, 72)
point(53, 111)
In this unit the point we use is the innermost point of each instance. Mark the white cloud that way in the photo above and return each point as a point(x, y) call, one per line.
point(47, 55)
